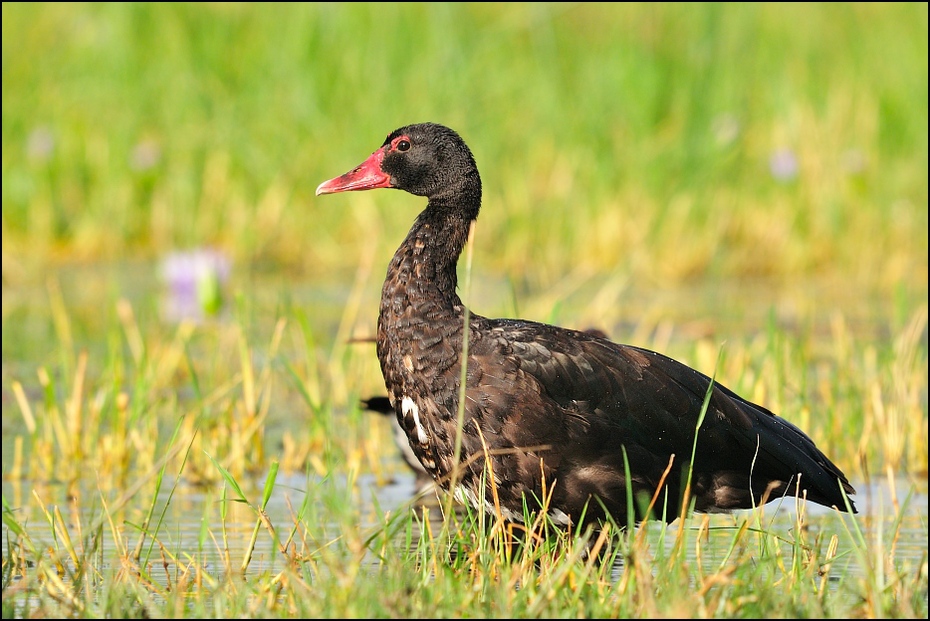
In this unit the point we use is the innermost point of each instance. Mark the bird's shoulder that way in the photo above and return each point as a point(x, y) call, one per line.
point(578, 366)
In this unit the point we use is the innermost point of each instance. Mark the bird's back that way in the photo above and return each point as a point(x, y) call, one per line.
point(566, 413)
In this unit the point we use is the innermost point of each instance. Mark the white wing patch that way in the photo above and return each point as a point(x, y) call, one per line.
point(407, 406)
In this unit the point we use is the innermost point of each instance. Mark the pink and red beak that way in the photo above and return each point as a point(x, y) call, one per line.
point(366, 176)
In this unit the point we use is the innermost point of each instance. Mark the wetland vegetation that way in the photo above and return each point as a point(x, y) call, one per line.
point(742, 187)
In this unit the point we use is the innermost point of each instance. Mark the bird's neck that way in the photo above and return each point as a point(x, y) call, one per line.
point(421, 313)
point(421, 316)
point(423, 270)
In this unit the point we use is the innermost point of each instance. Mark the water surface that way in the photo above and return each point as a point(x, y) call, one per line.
point(32, 336)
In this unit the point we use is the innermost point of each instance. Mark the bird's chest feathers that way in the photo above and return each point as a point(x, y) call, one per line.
point(419, 332)
point(422, 381)
point(419, 348)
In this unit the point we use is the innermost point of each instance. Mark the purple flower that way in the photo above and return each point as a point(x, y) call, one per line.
point(784, 165)
point(40, 144)
point(145, 155)
point(195, 282)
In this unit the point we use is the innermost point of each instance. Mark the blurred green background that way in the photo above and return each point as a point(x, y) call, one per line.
point(685, 176)
point(664, 141)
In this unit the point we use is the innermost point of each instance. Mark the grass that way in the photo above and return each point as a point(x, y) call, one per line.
point(177, 427)
point(184, 125)
point(748, 179)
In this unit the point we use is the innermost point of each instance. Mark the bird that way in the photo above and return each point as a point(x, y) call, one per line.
point(555, 420)
point(381, 404)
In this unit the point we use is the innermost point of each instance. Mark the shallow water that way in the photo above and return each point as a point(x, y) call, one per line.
point(194, 510)
point(30, 333)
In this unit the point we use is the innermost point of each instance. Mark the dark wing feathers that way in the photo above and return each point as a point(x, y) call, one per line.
point(648, 401)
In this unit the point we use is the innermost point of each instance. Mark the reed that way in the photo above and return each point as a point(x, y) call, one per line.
point(742, 187)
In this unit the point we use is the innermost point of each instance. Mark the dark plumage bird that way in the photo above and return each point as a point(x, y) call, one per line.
point(562, 416)
point(382, 405)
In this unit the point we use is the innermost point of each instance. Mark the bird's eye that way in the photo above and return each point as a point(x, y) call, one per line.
point(403, 145)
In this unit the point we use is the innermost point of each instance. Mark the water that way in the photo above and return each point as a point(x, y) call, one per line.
point(32, 336)
point(194, 511)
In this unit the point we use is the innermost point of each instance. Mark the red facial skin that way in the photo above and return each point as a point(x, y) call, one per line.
point(366, 176)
